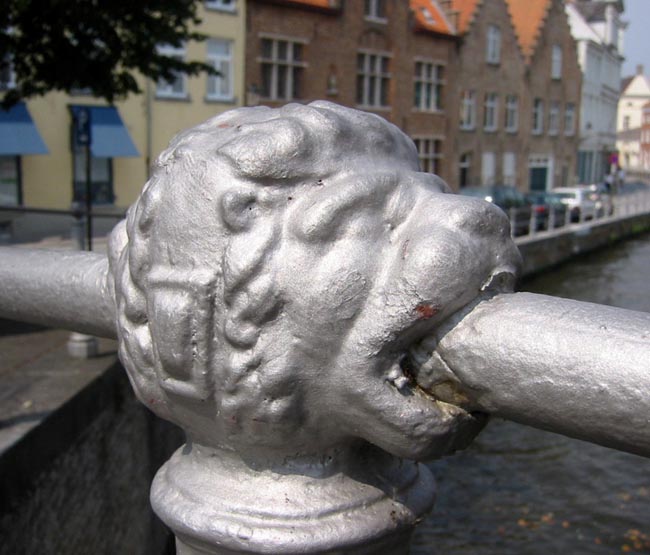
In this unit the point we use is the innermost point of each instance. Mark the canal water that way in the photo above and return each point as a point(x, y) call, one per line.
point(521, 491)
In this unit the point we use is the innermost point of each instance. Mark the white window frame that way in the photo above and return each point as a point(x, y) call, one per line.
point(493, 47)
point(512, 113)
point(221, 5)
point(371, 11)
point(429, 152)
point(509, 165)
point(468, 110)
point(570, 119)
point(293, 65)
point(224, 64)
point(488, 178)
point(430, 81)
point(556, 62)
point(164, 88)
point(491, 112)
point(538, 116)
point(370, 79)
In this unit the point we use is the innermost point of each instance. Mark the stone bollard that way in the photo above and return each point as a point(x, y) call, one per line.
point(317, 314)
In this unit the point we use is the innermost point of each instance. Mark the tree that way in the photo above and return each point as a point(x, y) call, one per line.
point(63, 45)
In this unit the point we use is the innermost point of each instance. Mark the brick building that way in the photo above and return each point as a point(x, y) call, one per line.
point(519, 94)
point(488, 133)
point(390, 57)
point(552, 93)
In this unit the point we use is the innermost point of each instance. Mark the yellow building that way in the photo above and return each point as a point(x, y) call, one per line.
point(126, 138)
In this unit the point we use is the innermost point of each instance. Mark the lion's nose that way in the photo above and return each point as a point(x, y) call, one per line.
point(477, 217)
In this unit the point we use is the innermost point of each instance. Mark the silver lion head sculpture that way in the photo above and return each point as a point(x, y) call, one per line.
point(277, 276)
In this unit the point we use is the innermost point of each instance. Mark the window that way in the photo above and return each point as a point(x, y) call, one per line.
point(373, 79)
point(101, 178)
point(282, 68)
point(429, 153)
point(488, 167)
point(428, 87)
point(177, 86)
point(554, 118)
point(220, 87)
point(375, 10)
point(221, 5)
point(468, 110)
point(464, 167)
point(538, 116)
point(490, 113)
point(509, 168)
point(570, 119)
point(556, 62)
point(10, 189)
point(512, 113)
point(626, 123)
point(493, 51)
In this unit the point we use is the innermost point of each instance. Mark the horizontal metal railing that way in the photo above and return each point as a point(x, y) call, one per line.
point(622, 206)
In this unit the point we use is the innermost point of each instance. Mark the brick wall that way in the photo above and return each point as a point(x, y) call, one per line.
point(331, 40)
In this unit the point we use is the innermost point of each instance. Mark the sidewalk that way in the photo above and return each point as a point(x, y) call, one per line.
point(37, 375)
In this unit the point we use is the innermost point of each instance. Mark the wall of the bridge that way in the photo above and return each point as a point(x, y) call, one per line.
point(79, 482)
point(544, 251)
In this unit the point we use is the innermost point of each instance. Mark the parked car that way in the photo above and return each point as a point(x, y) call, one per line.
point(578, 202)
point(543, 204)
point(510, 200)
point(601, 196)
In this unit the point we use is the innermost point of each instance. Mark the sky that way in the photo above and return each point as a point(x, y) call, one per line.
point(637, 36)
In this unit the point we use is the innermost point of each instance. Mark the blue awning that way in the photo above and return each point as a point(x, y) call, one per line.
point(109, 137)
point(18, 134)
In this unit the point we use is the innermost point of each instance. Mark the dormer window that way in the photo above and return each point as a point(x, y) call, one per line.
point(375, 10)
point(493, 50)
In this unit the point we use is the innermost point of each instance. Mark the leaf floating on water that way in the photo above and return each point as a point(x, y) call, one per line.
point(566, 524)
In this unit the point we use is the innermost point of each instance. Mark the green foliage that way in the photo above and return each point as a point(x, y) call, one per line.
point(63, 45)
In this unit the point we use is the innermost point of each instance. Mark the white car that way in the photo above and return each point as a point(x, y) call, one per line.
point(578, 202)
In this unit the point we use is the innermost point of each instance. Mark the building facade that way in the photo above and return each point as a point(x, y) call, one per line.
point(128, 136)
point(389, 57)
point(552, 93)
point(598, 30)
point(635, 95)
point(489, 127)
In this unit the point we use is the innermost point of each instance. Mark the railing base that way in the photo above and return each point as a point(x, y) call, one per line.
point(217, 504)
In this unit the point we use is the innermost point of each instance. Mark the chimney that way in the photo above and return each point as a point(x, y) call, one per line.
point(639, 69)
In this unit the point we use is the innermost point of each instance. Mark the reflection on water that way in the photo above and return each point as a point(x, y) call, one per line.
point(521, 491)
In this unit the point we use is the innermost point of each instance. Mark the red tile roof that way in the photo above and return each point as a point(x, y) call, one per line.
point(466, 10)
point(323, 4)
point(528, 17)
point(430, 17)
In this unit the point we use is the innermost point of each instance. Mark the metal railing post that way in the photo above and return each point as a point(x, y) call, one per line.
point(315, 331)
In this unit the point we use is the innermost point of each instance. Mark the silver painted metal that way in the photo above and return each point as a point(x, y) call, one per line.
point(575, 368)
point(284, 279)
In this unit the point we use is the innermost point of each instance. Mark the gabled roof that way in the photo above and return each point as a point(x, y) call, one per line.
point(466, 10)
point(528, 18)
point(430, 17)
point(580, 27)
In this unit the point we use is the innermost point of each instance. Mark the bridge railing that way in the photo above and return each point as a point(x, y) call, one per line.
point(318, 316)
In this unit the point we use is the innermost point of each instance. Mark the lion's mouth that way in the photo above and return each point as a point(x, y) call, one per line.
point(421, 368)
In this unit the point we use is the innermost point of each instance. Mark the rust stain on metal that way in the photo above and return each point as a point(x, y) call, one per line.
point(426, 311)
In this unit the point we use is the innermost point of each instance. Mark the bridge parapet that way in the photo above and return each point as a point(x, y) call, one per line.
point(316, 313)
